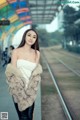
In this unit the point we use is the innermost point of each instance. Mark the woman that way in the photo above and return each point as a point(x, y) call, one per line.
point(23, 74)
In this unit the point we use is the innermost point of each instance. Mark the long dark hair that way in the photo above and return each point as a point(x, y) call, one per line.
point(35, 46)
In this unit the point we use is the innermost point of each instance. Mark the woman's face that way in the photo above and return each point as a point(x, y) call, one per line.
point(31, 37)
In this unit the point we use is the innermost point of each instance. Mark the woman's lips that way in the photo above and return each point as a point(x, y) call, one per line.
point(30, 41)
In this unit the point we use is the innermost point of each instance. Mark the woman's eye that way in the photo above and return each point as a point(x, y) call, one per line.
point(28, 35)
point(34, 37)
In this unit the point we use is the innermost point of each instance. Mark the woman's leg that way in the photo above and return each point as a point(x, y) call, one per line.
point(16, 107)
point(18, 112)
point(28, 113)
point(24, 115)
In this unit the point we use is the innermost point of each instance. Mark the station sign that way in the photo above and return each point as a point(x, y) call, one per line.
point(4, 22)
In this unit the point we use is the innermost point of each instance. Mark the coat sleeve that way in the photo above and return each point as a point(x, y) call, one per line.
point(33, 86)
point(15, 83)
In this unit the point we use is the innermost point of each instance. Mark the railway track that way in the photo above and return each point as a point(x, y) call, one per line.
point(62, 51)
point(67, 80)
point(51, 107)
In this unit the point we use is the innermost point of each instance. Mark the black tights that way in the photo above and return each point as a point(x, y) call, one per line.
point(27, 114)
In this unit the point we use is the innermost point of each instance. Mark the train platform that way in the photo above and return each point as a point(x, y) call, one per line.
point(6, 102)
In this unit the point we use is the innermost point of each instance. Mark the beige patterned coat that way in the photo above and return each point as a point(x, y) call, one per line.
point(17, 86)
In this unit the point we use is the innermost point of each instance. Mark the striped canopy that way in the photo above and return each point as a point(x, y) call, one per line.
point(17, 12)
point(26, 12)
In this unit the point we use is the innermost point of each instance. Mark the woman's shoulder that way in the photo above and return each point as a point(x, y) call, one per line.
point(17, 50)
point(37, 51)
point(38, 54)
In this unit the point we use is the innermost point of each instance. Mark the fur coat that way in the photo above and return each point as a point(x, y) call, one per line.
point(23, 96)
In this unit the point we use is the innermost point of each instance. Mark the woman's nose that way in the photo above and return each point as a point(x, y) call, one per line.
point(31, 37)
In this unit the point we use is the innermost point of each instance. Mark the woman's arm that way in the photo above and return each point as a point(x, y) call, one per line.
point(38, 56)
point(14, 57)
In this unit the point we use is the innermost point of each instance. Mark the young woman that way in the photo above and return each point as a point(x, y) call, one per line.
point(23, 74)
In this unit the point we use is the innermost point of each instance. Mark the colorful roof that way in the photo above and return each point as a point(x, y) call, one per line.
point(24, 12)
